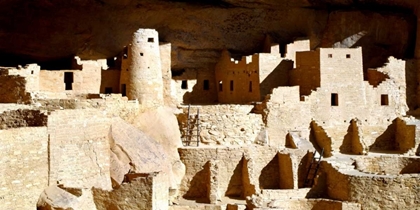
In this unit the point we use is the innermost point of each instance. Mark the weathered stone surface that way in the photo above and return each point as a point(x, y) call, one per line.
point(135, 148)
point(60, 198)
point(161, 125)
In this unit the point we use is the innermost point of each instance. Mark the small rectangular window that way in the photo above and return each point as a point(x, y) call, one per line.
point(220, 86)
point(348, 56)
point(231, 85)
point(334, 99)
point(250, 86)
point(150, 39)
point(330, 55)
point(184, 84)
point(206, 84)
point(384, 100)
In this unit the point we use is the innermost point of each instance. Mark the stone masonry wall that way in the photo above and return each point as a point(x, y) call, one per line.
point(23, 166)
point(216, 172)
point(234, 79)
point(226, 124)
point(79, 148)
point(389, 191)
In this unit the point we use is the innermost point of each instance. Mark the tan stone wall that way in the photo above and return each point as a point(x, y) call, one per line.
point(389, 191)
point(31, 74)
point(285, 113)
point(356, 98)
point(128, 195)
point(235, 171)
point(307, 74)
point(195, 92)
point(165, 57)
point(236, 78)
point(110, 78)
point(85, 81)
point(195, 184)
point(387, 164)
point(78, 140)
point(273, 72)
point(24, 166)
point(113, 105)
point(225, 124)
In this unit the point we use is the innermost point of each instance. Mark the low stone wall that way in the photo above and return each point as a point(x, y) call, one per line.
point(392, 165)
point(311, 204)
point(128, 196)
point(225, 124)
point(113, 104)
point(216, 172)
point(386, 191)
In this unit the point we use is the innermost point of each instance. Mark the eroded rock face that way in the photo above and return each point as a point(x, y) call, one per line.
point(49, 30)
point(133, 151)
point(161, 124)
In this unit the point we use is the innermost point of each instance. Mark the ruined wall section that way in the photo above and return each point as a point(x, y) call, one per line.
point(110, 81)
point(195, 86)
point(216, 172)
point(286, 113)
point(24, 166)
point(299, 45)
point(307, 74)
point(226, 124)
point(78, 140)
point(17, 84)
point(238, 81)
point(22, 118)
point(144, 69)
point(352, 185)
point(165, 56)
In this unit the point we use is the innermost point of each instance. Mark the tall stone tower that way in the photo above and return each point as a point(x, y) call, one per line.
point(144, 76)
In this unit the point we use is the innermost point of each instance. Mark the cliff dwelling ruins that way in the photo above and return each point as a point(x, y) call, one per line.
point(210, 105)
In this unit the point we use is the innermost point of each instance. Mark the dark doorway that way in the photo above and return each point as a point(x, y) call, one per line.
point(334, 99)
point(124, 90)
point(108, 90)
point(68, 80)
point(206, 85)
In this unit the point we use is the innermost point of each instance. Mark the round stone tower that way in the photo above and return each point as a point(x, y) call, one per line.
point(144, 76)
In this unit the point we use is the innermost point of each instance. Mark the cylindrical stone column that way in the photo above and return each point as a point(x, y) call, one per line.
point(144, 69)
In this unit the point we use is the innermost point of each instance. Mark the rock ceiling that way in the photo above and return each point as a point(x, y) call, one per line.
point(50, 30)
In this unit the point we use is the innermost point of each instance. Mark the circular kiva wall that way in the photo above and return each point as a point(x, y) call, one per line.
point(391, 165)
